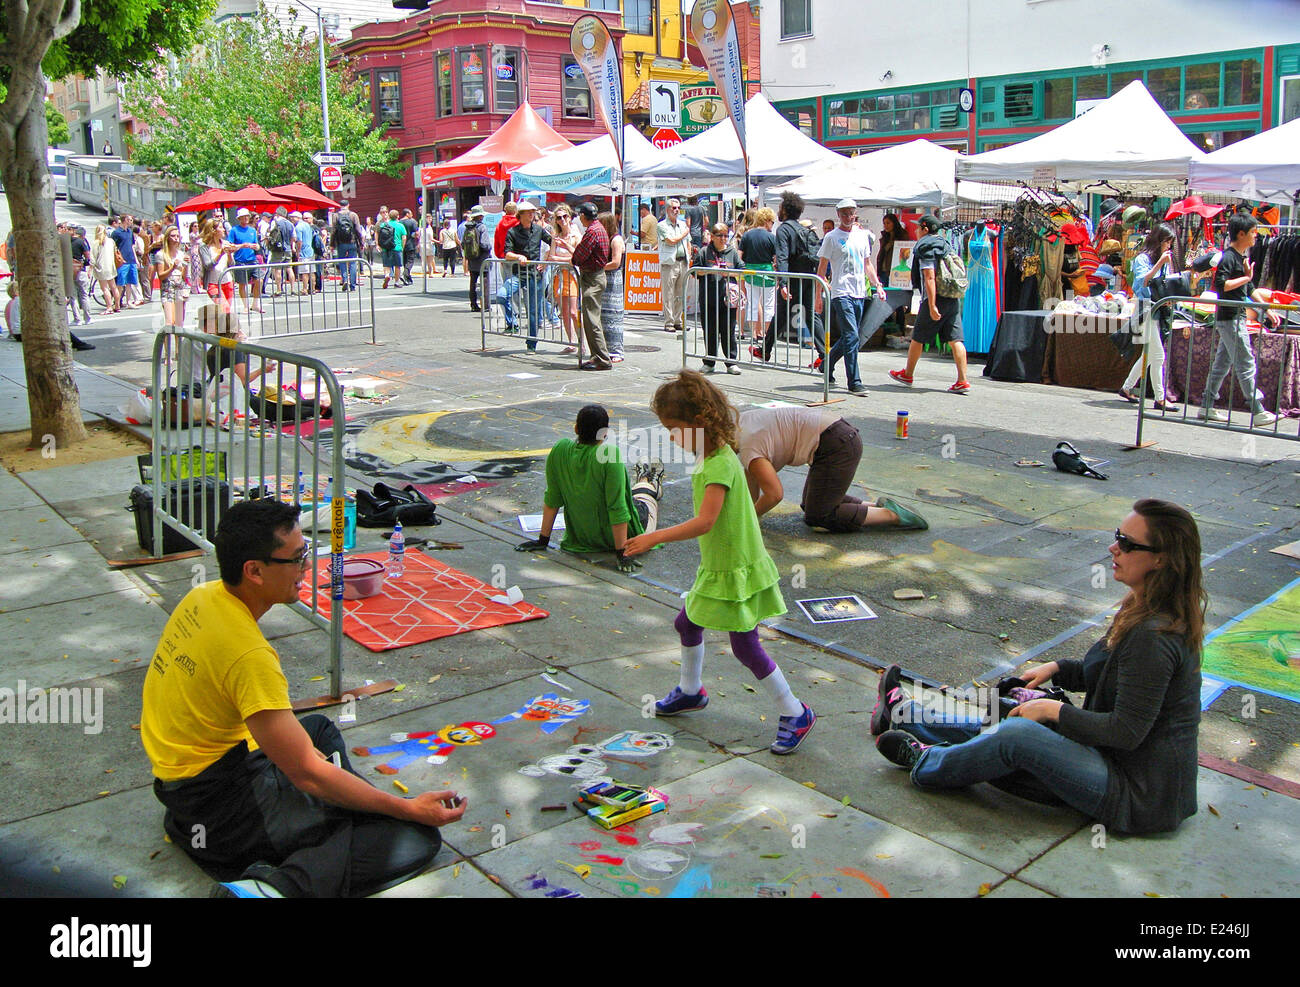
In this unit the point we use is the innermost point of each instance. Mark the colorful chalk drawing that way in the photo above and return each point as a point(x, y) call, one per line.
point(433, 746)
point(1259, 649)
point(550, 711)
point(584, 762)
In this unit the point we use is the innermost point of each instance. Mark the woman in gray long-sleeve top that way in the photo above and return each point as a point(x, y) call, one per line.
point(1126, 757)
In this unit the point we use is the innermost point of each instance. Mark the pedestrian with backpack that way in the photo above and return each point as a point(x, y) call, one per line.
point(345, 235)
point(477, 247)
point(389, 236)
point(280, 247)
point(796, 252)
point(939, 274)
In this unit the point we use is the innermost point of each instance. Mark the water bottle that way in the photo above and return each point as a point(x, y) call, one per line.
point(302, 488)
point(396, 552)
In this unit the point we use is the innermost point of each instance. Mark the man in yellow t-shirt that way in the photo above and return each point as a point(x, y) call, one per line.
point(268, 803)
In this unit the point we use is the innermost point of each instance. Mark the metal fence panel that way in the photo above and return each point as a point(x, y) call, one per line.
point(758, 320)
point(250, 417)
point(303, 298)
point(527, 301)
point(1176, 309)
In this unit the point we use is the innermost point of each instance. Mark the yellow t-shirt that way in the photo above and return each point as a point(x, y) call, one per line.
point(212, 670)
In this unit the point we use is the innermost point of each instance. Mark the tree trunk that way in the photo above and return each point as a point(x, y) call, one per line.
point(52, 398)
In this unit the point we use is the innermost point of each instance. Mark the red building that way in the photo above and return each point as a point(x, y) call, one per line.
point(446, 78)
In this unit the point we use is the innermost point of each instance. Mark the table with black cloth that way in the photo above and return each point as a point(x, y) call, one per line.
point(1277, 356)
point(1018, 347)
point(872, 332)
point(1079, 352)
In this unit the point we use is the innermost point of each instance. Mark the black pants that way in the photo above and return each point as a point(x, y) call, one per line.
point(783, 319)
point(719, 320)
point(242, 817)
point(473, 287)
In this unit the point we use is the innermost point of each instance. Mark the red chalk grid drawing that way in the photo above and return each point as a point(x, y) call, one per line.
point(431, 600)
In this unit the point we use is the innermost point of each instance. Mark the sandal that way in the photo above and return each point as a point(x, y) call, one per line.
point(1127, 395)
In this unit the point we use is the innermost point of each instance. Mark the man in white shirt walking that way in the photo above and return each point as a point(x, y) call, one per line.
point(845, 261)
point(674, 259)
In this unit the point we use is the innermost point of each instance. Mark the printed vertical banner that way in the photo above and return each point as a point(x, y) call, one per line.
point(598, 57)
point(714, 33)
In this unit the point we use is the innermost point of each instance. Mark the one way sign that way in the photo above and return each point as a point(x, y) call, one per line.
point(665, 105)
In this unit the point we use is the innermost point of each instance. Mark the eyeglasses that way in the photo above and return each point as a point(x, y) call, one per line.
point(301, 560)
point(1127, 544)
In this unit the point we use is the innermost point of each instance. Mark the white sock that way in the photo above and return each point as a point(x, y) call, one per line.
point(692, 669)
point(778, 690)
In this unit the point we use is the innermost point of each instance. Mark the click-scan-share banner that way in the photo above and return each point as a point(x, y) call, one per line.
point(596, 54)
point(714, 33)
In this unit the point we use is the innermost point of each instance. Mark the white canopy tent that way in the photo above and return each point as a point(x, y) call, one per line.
point(1263, 168)
point(918, 173)
point(590, 168)
point(778, 151)
point(1127, 142)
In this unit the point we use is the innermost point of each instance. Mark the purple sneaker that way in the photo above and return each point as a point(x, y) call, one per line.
point(678, 702)
point(888, 695)
point(901, 748)
point(792, 730)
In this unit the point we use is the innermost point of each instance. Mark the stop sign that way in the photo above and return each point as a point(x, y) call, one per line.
point(665, 137)
point(331, 178)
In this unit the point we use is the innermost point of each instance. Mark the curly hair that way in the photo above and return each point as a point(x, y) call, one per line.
point(1173, 592)
point(693, 400)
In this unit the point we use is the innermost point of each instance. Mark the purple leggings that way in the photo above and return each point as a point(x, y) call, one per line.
point(744, 645)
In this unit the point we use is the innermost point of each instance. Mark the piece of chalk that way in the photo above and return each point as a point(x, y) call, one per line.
point(400, 787)
point(554, 808)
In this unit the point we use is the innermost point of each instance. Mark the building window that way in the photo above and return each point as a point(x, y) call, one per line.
point(364, 77)
point(639, 16)
point(443, 68)
point(577, 96)
point(1241, 82)
point(388, 96)
point(1290, 99)
point(603, 5)
point(796, 18)
point(1202, 89)
point(1165, 86)
point(469, 69)
point(1058, 98)
point(1089, 87)
point(505, 80)
point(1118, 80)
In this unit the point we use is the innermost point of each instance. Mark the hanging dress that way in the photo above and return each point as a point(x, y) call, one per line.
point(979, 312)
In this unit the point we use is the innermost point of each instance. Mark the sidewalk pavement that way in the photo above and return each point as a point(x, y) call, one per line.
point(77, 810)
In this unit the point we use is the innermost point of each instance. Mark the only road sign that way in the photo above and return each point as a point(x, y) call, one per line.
point(322, 158)
point(665, 104)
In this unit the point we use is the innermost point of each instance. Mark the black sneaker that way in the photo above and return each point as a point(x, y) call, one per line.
point(888, 694)
point(901, 748)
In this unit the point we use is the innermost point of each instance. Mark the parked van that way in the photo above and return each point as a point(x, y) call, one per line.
point(57, 161)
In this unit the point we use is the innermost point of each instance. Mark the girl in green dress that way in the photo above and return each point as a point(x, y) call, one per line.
point(736, 585)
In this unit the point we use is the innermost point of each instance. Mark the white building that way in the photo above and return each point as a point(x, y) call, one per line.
point(858, 74)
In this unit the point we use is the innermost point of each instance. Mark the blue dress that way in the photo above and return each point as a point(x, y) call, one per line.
point(979, 312)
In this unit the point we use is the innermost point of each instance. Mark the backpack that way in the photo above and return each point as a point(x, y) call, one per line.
point(317, 246)
point(345, 231)
point(472, 247)
point(950, 276)
point(804, 250)
point(386, 238)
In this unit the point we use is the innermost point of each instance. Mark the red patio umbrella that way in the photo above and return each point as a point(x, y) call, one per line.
point(250, 196)
point(213, 198)
point(303, 196)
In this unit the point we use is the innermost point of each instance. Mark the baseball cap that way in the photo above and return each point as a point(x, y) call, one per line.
point(588, 210)
point(846, 203)
point(242, 213)
point(526, 206)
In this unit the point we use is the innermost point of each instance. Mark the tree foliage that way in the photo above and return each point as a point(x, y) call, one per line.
point(246, 108)
point(57, 124)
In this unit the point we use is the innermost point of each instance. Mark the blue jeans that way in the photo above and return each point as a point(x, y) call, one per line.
point(1018, 756)
point(846, 313)
point(532, 280)
point(348, 271)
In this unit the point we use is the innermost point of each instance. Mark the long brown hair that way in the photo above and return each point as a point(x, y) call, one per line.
point(692, 400)
point(1174, 591)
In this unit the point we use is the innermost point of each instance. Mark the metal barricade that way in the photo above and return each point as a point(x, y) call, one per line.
point(758, 319)
point(527, 300)
point(1182, 321)
point(305, 298)
point(238, 420)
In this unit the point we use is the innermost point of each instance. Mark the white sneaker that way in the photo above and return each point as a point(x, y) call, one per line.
point(1263, 418)
point(1213, 415)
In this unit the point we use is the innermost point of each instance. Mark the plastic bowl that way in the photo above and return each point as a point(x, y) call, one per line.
point(362, 578)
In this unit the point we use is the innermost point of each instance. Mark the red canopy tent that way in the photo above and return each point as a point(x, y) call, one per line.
point(303, 196)
point(523, 138)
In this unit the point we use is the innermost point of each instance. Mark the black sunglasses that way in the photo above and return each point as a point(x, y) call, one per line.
point(1127, 544)
point(300, 560)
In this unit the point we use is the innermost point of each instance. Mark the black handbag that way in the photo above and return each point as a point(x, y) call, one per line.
point(1013, 691)
point(383, 507)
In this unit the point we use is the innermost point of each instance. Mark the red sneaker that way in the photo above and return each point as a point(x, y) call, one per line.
point(961, 387)
point(901, 377)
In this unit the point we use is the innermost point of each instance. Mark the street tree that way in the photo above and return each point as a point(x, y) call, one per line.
point(42, 39)
point(56, 124)
point(244, 108)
